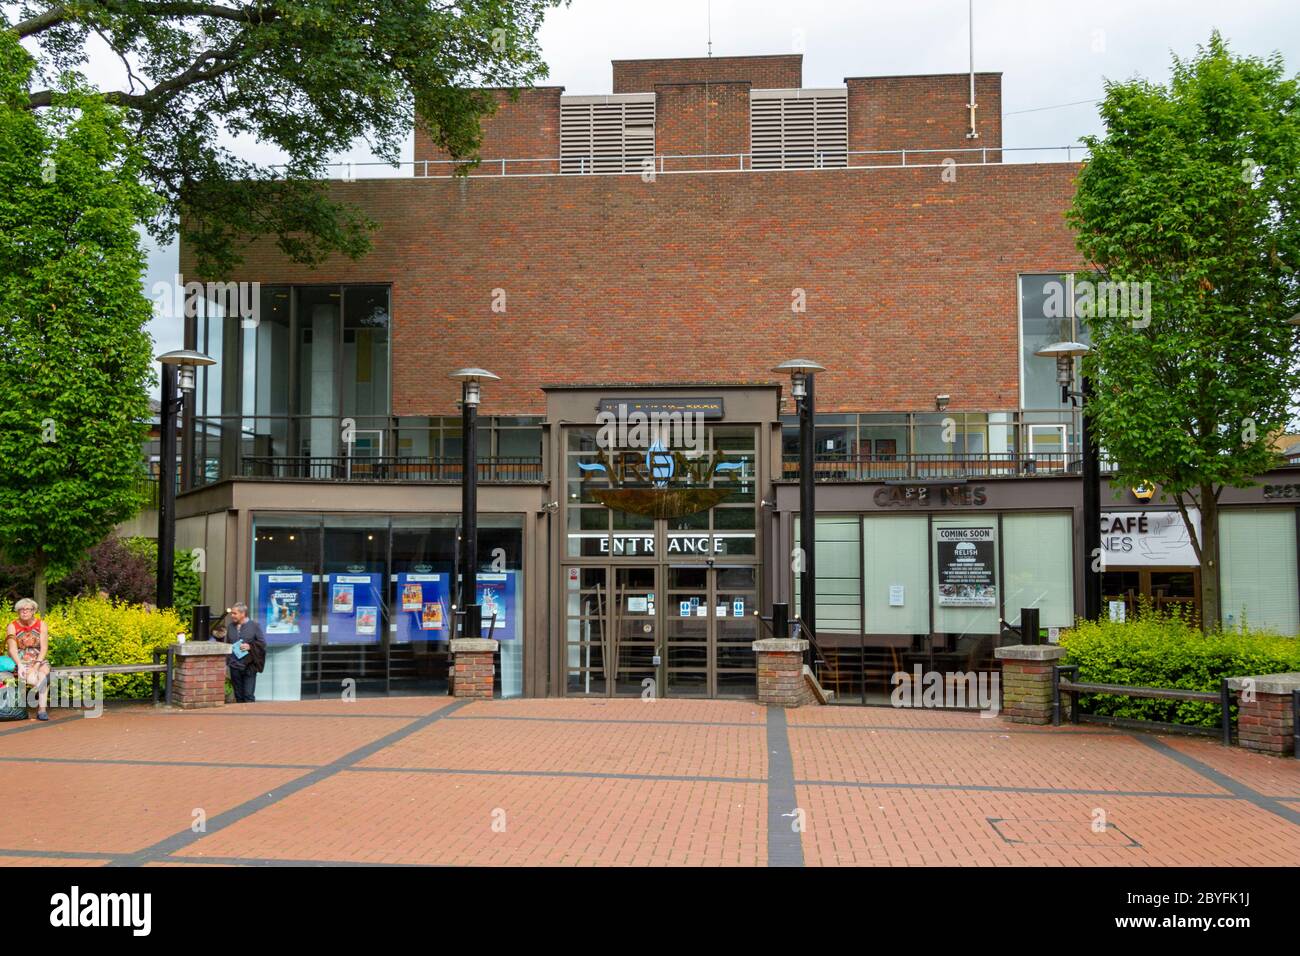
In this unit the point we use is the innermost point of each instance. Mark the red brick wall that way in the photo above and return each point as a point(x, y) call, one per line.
point(910, 281)
point(923, 112)
point(781, 72)
point(526, 128)
point(695, 119)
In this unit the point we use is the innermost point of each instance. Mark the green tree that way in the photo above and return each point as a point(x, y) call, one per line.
point(73, 346)
point(1194, 189)
point(310, 77)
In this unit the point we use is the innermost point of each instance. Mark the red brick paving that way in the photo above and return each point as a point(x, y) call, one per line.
point(586, 783)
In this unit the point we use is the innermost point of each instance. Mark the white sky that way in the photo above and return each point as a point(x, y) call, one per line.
point(1050, 52)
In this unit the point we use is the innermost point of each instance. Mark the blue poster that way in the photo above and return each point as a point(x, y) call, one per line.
point(423, 607)
point(354, 605)
point(284, 601)
point(497, 595)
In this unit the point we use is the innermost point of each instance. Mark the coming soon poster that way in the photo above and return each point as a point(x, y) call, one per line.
point(966, 560)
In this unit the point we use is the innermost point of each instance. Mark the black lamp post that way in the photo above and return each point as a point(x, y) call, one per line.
point(178, 378)
point(470, 396)
point(801, 388)
point(1065, 353)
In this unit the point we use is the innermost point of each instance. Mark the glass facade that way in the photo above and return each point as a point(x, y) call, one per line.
point(898, 591)
point(366, 604)
point(1257, 551)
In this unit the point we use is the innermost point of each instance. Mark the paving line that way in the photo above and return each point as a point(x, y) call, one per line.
point(784, 827)
point(993, 788)
point(1231, 784)
point(179, 841)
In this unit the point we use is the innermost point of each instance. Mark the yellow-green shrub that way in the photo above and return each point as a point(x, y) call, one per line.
point(93, 630)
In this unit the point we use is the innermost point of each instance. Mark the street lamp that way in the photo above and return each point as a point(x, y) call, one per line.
point(1065, 353)
point(801, 382)
point(470, 396)
point(178, 381)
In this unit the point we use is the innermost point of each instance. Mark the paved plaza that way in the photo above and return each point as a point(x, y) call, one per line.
point(431, 780)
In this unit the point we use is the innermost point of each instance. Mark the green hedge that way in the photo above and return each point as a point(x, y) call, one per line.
point(91, 630)
point(1164, 649)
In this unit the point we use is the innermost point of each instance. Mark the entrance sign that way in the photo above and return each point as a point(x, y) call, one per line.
point(704, 407)
point(967, 567)
point(1148, 539)
point(679, 543)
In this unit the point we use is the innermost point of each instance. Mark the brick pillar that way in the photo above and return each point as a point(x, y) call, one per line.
point(200, 676)
point(780, 673)
point(471, 667)
point(1266, 724)
point(1027, 681)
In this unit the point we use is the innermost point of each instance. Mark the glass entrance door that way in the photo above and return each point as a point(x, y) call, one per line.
point(611, 631)
point(710, 627)
point(634, 630)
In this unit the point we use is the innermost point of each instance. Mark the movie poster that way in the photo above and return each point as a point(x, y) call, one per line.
point(425, 602)
point(284, 602)
point(367, 621)
point(966, 560)
point(431, 618)
point(412, 597)
point(344, 597)
point(350, 594)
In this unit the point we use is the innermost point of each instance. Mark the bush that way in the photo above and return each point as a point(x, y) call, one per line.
point(1164, 649)
point(92, 630)
point(127, 568)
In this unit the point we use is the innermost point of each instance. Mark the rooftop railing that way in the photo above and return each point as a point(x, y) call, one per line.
point(413, 468)
point(668, 164)
point(921, 467)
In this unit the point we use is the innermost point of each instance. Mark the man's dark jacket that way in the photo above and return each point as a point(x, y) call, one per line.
point(251, 632)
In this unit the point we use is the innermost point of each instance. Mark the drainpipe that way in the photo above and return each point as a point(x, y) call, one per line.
point(971, 133)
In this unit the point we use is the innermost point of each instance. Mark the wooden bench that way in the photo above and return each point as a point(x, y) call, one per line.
point(158, 667)
point(1074, 687)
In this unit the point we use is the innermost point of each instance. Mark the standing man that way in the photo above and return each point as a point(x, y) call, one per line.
point(246, 636)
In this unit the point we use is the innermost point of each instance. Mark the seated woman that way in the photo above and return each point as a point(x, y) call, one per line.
point(28, 641)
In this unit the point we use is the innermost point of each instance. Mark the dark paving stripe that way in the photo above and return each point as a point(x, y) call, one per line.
point(129, 762)
point(784, 839)
point(580, 774)
point(23, 726)
point(1231, 784)
point(988, 788)
point(181, 840)
point(61, 854)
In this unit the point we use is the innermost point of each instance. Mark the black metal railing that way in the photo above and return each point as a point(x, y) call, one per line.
point(928, 466)
point(415, 468)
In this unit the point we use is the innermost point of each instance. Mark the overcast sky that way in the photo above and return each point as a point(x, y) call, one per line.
point(1050, 52)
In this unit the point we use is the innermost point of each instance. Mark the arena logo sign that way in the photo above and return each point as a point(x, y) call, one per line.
point(662, 482)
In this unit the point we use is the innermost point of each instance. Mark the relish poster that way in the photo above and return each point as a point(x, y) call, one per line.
point(966, 561)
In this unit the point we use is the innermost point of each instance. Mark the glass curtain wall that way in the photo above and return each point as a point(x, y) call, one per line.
point(366, 603)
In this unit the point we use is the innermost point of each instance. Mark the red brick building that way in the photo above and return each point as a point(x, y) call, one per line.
point(671, 242)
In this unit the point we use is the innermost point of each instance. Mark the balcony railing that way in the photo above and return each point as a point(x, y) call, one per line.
point(669, 163)
point(923, 466)
point(343, 468)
